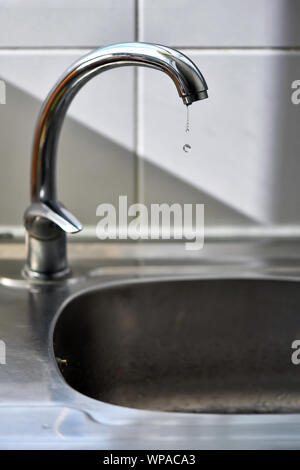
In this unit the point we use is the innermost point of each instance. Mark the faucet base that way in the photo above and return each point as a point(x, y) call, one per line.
point(46, 259)
point(34, 275)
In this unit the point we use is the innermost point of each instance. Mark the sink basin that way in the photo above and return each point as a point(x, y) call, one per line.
point(219, 345)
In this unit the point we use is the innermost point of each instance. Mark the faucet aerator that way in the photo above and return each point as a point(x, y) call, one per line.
point(200, 95)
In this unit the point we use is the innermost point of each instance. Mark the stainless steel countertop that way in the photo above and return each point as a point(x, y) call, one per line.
point(39, 410)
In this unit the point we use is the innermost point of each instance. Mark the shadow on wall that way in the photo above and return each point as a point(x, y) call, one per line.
point(170, 189)
point(286, 168)
point(91, 169)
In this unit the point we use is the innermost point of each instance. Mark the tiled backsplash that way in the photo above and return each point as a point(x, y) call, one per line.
point(244, 138)
point(65, 23)
point(221, 23)
point(125, 130)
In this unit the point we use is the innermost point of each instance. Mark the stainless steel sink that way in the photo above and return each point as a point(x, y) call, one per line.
point(195, 347)
point(206, 345)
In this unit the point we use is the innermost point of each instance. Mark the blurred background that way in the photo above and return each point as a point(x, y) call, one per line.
point(125, 130)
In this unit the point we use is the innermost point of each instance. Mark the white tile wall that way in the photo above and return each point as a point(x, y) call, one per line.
point(244, 163)
point(96, 146)
point(244, 138)
point(65, 23)
point(105, 104)
point(38, 41)
point(219, 23)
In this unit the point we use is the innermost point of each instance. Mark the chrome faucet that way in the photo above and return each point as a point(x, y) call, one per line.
point(46, 219)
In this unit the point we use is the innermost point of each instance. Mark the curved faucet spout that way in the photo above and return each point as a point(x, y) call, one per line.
point(189, 82)
point(190, 85)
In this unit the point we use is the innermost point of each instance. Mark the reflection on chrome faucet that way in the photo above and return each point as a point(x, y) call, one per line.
point(46, 220)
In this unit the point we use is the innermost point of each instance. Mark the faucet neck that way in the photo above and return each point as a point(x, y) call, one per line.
point(46, 215)
point(188, 80)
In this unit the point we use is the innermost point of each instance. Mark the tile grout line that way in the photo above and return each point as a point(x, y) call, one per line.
point(139, 168)
point(135, 106)
point(137, 34)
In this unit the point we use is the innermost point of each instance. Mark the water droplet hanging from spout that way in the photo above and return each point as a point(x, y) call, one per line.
point(186, 148)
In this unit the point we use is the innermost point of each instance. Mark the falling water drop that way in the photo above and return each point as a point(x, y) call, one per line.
point(187, 127)
point(186, 148)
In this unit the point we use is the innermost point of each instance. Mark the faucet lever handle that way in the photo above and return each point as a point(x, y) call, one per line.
point(55, 212)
